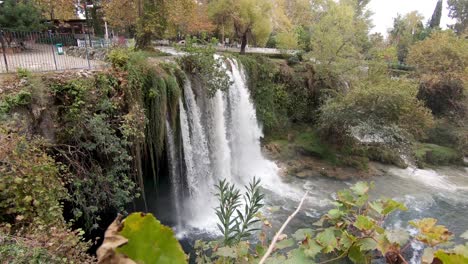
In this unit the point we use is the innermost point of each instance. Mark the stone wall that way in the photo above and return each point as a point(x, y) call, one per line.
point(93, 53)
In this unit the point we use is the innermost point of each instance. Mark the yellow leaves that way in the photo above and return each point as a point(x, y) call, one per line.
point(120, 13)
point(449, 51)
point(430, 233)
point(57, 9)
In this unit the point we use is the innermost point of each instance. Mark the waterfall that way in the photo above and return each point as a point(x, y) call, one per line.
point(221, 140)
point(175, 173)
point(245, 134)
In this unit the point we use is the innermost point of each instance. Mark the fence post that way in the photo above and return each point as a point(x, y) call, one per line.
point(2, 40)
point(87, 53)
point(53, 49)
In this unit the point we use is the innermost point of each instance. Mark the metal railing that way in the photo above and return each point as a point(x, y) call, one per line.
point(41, 51)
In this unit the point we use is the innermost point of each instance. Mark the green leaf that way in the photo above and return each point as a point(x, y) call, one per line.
point(297, 256)
point(364, 223)
point(450, 258)
point(149, 241)
point(392, 205)
point(312, 249)
point(397, 236)
point(360, 188)
point(383, 245)
point(335, 214)
point(227, 252)
point(367, 244)
point(285, 243)
point(346, 240)
point(356, 255)
point(328, 240)
point(377, 206)
point(301, 234)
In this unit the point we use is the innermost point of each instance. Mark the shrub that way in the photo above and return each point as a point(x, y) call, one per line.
point(437, 155)
point(22, 98)
point(443, 97)
point(31, 189)
point(379, 111)
point(119, 57)
point(202, 63)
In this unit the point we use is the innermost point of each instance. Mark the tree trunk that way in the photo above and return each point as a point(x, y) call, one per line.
point(243, 43)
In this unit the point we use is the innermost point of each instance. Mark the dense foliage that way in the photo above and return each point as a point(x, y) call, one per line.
point(20, 16)
point(355, 230)
point(377, 111)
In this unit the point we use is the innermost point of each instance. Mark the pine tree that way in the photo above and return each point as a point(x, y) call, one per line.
point(436, 16)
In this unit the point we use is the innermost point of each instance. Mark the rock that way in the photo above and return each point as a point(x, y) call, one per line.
point(92, 53)
point(305, 174)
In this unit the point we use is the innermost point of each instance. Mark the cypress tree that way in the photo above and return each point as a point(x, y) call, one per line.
point(436, 16)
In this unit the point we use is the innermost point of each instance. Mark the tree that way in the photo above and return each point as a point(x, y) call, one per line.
point(459, 12)
point(187, 17)
point(406, 30)
point(121, 14)
point(20, 16)
point(251, 19)
point(339, 36)
point(449, 51)
point(436, 16)
point(57, 9)
point(442, 83)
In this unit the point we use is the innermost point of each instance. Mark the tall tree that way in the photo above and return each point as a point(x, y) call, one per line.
point(121, 14)
point(20, 16)
point(57, 9)
point(436, 16)
point(406, 30)
point(338, 39)
point(459, 12)
point(251, 19)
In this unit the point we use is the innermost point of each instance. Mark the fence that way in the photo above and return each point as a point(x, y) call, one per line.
point(41, 51)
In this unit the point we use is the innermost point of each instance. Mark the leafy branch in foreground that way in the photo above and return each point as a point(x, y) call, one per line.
point(236, 224)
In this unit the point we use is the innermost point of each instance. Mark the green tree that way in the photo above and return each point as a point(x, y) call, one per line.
point(338, 39)
point(251, 19)
point(406, 30)
point(436, 16)
point(459, 12)
point(20, 16)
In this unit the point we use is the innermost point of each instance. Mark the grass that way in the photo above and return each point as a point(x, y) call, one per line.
point(311, 143)
point(433, 154)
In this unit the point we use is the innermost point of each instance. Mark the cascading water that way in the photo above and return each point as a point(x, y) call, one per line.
point(221, 140)
point(175, 174)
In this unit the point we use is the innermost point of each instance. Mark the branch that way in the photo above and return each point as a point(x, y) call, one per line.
point(275, 238)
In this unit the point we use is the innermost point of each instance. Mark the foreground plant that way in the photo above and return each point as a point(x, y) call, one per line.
point(354, 230)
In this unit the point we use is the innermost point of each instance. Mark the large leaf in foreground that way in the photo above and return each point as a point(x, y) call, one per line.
point(149, 241)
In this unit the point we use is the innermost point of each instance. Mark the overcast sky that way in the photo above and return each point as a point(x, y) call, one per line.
point(385, 10)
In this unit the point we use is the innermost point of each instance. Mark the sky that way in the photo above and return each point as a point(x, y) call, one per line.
point(385, 10)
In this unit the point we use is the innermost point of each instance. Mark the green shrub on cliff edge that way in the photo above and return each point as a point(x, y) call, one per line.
point(436, 155)
point(380, 111)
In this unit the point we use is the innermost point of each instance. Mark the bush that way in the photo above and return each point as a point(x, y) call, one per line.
point(378, 111)
point(437, 155)
point(22, 98)
point(119, 57)
point(31, 190)
point(443, 97)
